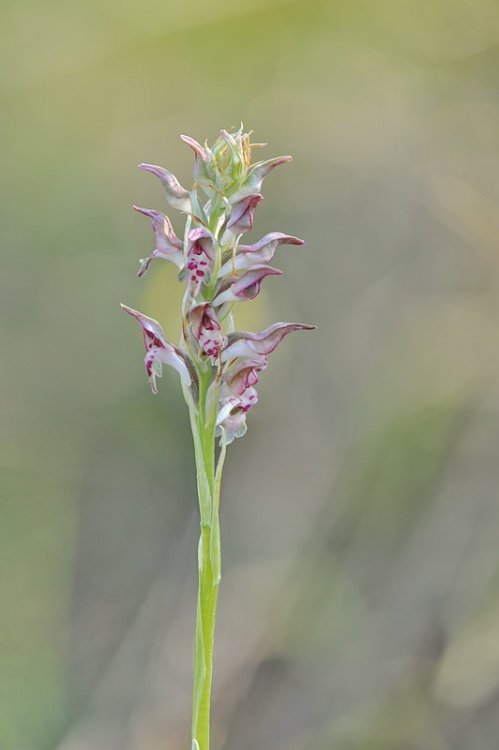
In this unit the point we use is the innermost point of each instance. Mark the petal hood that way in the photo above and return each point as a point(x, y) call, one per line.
point(244, 375)
point(246, 344)
point(260, 252)
point(168, 245)
point(247, 286)
point(205, 165)
point(175, 194)
point(241, 217)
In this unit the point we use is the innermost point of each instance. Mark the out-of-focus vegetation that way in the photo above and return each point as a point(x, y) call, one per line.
point(359, 606)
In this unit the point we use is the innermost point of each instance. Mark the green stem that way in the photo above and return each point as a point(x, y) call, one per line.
point(209, 559)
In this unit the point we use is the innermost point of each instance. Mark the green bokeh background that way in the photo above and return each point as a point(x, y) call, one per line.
point(359, 606)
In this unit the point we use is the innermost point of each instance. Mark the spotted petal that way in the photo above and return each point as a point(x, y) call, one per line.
point(244, 375)
point(200, 258)
point(158, 350)
point(207, 331)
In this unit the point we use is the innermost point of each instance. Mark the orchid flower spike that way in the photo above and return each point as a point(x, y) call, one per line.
point(218, 272)
point(219, 367)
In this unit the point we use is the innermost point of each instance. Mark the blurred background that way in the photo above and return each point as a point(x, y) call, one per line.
point(359, 605)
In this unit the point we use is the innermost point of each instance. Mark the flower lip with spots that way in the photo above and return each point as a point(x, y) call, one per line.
point(200, 258)
point(244, 374)
point(207, 331)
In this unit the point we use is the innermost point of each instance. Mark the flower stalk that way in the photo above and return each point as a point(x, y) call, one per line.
point(219, 367)
point(209, 563)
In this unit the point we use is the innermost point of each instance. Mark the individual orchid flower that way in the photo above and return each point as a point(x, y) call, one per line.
point(207, 331)
point(168, 245)
point(243, 375)
point(247, 286)
point(231, 420)
point(200, 259)
point(260, 252)
point(175, 194)
point(158, 350)
point(238, 390)
point(246, 344)
point(219, 367)
point(241, 217)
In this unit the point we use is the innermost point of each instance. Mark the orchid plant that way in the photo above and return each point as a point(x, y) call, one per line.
point(218, 366)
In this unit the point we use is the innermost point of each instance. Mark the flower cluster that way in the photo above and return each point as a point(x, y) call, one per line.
point(212, 359)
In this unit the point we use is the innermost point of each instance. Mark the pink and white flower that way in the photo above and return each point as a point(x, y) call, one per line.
point(247, 344)
point(243, 375)
point(245, 287)
point(231, 420)
point(158, 350)
point(168, 245)
point(217, 272)
point(237, 396)
point(207, 331)
point(260, 252)
point(200, 259)
point(241, 216)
